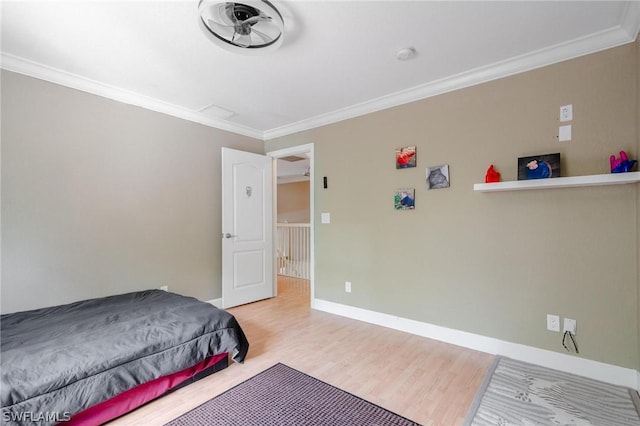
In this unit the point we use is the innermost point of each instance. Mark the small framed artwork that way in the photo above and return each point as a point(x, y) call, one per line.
point(437, 176)
point(405, 157)
point(539, 166)
point(404, 199)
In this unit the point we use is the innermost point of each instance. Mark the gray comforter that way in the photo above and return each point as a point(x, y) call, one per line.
point(58, 361)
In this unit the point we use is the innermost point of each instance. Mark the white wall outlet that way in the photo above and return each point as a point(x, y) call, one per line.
point(164, 288)
point(570, 326)
point(566, 113)
point(553, 323)
point(347, 286)
point(325, 217)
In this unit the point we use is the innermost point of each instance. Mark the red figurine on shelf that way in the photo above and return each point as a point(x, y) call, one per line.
point(492, 175)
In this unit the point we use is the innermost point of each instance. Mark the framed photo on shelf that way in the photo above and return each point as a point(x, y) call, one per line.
point(539, 166)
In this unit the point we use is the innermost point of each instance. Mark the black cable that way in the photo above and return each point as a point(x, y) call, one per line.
point(575, 345)
point(564, 338)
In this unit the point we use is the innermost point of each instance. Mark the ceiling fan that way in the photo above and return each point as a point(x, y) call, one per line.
point(253, 26)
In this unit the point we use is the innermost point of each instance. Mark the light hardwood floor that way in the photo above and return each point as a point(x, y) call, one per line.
point(430, 382)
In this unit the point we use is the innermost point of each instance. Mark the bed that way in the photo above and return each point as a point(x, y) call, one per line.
point(91, 361)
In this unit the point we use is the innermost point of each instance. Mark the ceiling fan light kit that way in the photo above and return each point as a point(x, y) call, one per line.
point(250, 27)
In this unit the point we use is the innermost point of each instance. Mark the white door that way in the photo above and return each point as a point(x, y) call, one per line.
point(247, 227)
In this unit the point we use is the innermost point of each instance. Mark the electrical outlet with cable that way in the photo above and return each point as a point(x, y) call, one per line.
point(569, 325)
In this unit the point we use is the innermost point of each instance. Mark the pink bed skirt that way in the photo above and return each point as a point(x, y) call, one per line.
point(140, 395)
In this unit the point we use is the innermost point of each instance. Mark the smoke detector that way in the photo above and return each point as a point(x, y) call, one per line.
point(406, 53)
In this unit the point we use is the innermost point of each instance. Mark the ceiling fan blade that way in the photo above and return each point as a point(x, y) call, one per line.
point(265, 37)
point(225, 31)
point(255, 19)
point(242, 40)
point(229, 10)
point(212, 23)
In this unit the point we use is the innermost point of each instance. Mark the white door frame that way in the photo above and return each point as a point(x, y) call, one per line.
point(297, 150)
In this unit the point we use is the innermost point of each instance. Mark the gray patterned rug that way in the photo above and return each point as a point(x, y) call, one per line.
point(283, 396)
point(518, 393)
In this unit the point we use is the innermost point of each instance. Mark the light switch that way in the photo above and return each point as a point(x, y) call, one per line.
point(564, 133)
point(325, 217)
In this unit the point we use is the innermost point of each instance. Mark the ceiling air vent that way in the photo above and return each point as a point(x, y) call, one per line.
point(292, 158)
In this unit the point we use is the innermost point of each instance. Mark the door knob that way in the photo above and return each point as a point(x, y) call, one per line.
point(228, 235)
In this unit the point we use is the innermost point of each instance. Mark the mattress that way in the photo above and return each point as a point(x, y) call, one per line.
point(136, 397)
point(59, 361)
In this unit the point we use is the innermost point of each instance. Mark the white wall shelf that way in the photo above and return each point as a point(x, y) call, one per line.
point(561, 182)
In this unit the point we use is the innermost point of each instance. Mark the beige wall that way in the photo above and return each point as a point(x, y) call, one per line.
point(293, 202)
point(490, 263)
point(99, 197)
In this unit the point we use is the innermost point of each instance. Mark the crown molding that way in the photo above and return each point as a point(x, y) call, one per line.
point(43, 72)
point(631, 19)
point(625, 33)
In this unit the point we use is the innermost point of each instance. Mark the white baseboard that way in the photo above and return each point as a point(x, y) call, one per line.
point(216, 302)
point(584, 367)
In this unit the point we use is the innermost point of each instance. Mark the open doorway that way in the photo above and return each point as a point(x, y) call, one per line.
point(293, 215)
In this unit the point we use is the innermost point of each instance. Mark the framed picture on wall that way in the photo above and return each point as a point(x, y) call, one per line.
point(404, 199)
point(405, 157)
point(437, 176)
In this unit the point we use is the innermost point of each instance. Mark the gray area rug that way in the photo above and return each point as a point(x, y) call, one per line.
point(284, 396)
point(518, 393)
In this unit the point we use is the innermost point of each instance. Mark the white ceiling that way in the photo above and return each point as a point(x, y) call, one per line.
point(337, 60)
